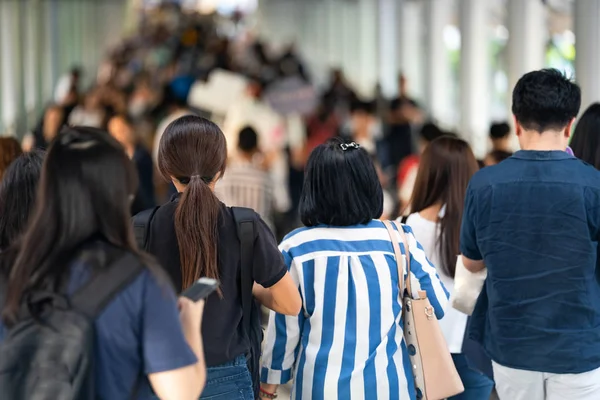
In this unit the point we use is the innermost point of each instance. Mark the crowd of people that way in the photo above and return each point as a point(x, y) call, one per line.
point(125, 195)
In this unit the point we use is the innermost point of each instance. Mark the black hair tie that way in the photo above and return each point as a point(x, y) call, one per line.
point(186, 180)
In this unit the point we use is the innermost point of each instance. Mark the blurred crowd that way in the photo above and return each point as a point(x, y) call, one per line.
point(165, 70)
point(211, 119)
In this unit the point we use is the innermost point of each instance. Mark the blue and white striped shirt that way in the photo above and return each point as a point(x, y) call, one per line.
point(347, 342)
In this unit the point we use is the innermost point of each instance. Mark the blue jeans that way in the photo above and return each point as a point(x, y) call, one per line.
point(477, 385)
point(230, 381)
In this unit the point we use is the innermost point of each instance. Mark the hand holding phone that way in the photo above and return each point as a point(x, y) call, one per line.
point(201, 289)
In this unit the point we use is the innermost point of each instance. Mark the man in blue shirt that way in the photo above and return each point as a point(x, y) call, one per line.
point(534, 221)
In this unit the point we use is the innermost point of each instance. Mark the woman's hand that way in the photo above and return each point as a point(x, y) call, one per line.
point(267, 389)
point(190, 314)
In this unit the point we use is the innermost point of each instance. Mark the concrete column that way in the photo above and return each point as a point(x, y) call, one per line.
point(32, 57)
point(369, 52)
point(410, 33)
point(475, 78)
point(11, 67)
point(437, 65)
point(388, 68)
point(587, 39)
point(528, 30)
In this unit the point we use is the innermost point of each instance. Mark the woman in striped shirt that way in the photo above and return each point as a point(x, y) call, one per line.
point(347, 342)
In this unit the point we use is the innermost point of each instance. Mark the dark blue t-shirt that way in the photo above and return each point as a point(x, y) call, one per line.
point(535, 219)
point(137, 334)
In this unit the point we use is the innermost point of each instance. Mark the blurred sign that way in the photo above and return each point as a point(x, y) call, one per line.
point(292, 96)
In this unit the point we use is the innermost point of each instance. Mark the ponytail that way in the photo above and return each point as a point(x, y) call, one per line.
point(193, 151)
point(196, 221)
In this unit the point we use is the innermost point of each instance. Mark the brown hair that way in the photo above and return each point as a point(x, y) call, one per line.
point(446, 166)
point(10, 149)
point(193, 150)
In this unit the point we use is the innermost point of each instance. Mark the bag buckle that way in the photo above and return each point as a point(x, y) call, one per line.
point(429, 312)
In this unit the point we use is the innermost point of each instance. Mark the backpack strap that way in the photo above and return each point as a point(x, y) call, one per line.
point(94, 296)
point(246, 231)
point(141, 226)
point(403, 219)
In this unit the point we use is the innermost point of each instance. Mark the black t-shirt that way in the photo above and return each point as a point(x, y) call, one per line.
point(222, 329)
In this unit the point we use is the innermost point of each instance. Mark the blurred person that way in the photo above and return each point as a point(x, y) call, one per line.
point(176, 108)
point(340, 93)
point(90, 113)
point(348, 338)
point(404, 112)
point(275, 133)
point(322, 126)
point(52, 121)
point(143, 99)
point(446, 166)
point(388, 200)
point(10, 149)
point(500, 137)
point(17, 196)
point(533, 222)
point(363, 127)
point(407, 170)
point(195, 235)
point(252, 111)
point(79, 227)
point(67, 88)
point(496, 157)
point(585, 143)
point(121, 128)
point(246, 182)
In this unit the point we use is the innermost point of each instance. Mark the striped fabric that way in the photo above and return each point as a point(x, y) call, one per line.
point(347, 343)
point(245, 185)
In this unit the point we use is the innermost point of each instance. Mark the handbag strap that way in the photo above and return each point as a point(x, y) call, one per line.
point(401, 282)
point(404, 239)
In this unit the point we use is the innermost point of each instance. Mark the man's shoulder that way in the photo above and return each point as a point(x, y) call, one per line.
point(489, 175)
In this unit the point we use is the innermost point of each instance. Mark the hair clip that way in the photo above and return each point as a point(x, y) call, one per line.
point(346, 146)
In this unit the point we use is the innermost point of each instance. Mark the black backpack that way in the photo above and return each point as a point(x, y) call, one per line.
point(245, 219)
point(51, 356)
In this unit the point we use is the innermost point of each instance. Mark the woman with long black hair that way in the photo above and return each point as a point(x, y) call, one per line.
point(141, 341)
point(446, 166)
point(194, 235)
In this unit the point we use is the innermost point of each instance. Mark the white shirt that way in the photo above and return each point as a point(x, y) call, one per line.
point(454, 322)
point(246, 185)
point(347, 342)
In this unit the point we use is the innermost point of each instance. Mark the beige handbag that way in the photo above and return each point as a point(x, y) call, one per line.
point(435, 375)
point(467, 287)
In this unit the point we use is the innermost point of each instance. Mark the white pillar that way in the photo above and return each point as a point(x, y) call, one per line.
point(587, 39)
point(437, 66)
point(410, 53)
point(475, 82)
point(10, 77)
point(528, 30)
point(388, 69)
point(32, 52)
point(369, 52)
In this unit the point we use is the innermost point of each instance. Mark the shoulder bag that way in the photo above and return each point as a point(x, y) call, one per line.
point(434, 372)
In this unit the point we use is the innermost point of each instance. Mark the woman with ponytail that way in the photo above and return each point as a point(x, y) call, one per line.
point(194, 235)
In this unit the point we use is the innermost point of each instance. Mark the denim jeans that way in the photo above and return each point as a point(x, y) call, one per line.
point(230, 381)
point(477, 385)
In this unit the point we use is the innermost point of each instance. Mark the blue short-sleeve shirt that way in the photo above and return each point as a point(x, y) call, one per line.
point(534, 220)
point(137, 334)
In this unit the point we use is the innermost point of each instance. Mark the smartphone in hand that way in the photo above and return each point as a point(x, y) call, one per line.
point(201, 289)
